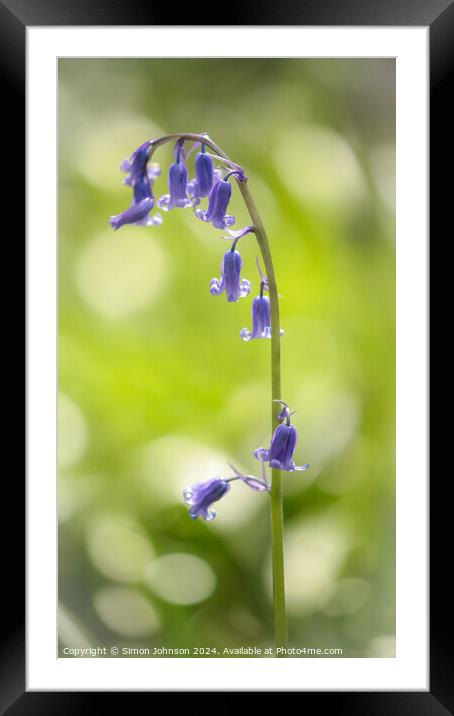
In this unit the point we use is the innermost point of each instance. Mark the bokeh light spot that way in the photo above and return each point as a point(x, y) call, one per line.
point(319, 166)
point(70, 630)
point(383, 165)
point(118, 548)
point(72, 432)
point(181, 578)
point(99, 150)
point(120, 275)
point(126, 611)
point(332, 416)
point(315, 551)
point(76, 492)
point(350, 594)
point(171, 463)
point(383, 647)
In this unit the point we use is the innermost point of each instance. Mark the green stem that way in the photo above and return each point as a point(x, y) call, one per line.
point(277, 529)
point(277, 526)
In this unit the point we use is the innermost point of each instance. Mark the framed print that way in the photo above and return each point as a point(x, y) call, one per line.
point(227, 356)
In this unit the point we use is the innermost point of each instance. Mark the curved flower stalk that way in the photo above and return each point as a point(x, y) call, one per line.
point(254, 482)
point(211, 183)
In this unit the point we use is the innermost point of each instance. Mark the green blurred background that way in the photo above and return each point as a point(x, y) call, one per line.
point(157, 390)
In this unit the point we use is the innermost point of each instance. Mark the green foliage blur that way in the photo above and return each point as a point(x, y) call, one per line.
point(157, 390)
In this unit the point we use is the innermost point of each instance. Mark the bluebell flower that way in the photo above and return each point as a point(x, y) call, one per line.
point(204, 176)
point(195, 190)
point(230, 280)
point(137, 213)
point(204, 170)
point(261, 320)
point(261, 314)
point(140, 178)
point(217, 206)
point(177, 198)
point(201, 496)
point(283, 444)
point(137, 168)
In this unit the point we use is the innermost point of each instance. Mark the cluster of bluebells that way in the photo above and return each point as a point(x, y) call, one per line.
point(208, 183)
point(214, 185)
point(182, 193)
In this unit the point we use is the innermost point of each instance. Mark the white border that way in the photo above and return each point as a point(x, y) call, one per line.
point(409, 670)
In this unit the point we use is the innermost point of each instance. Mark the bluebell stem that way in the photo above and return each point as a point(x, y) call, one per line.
point(201, 496)
point(283, 444)
point(140, 178)
point(279, 456)
point(261, 314)
point(218, 202)
point(251, 481)
point(231, 282)
point(178, 183)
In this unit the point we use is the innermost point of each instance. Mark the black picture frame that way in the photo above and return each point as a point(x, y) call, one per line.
point(15, 17)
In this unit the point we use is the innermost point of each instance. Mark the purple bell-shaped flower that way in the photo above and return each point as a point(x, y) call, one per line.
point(261, 314)
point(283, 444)
point(177, 198)
point(217, 206)
point(201, 496)
point(231, 282)
point(140, 178)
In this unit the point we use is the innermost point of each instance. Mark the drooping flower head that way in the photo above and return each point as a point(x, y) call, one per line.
point(261, 321)
point(137, 168)
point(140, 178)
point(218, 202)
point(261, 314)
point(204, 171)
point(231, 282)
point(205, 176)
point(138, 213)
point(283, 444)
point(201, 496)
point(178, 182)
